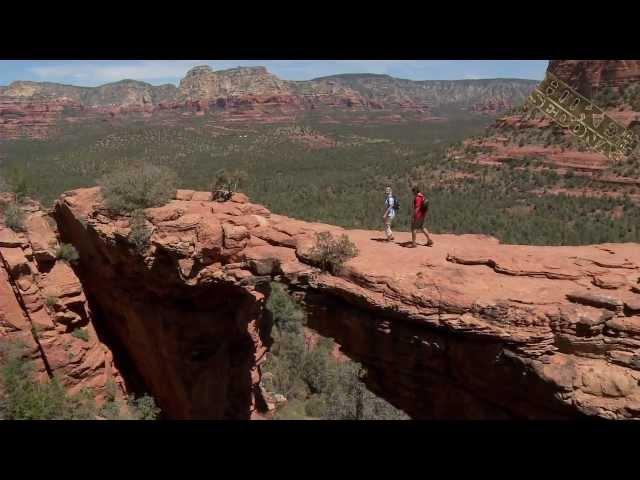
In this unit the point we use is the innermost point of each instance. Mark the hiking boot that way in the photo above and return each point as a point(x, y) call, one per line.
point(430, 243)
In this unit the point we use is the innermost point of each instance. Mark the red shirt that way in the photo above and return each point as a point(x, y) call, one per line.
point(418, 202)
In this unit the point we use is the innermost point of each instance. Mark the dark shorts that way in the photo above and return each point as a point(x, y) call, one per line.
point(417, 223)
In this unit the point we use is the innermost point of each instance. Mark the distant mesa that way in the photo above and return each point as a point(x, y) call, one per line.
point(199, 69)
point(245, 94)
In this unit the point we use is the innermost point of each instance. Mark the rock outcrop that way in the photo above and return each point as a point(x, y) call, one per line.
point(491, 106)
point(590, 76)
point(527, 135)
point(186, 313)
point(257, 87)
point(121, 93)
point(31, 118)
point(204, 83)
point(243, 94)
point(386, 91)
point(37, 109)
point(43, 306)
point(468, 328)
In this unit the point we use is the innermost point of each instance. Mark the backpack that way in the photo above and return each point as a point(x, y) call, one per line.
point(396, 205)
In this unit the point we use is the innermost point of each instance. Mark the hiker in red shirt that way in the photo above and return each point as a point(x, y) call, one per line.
point(420, 208)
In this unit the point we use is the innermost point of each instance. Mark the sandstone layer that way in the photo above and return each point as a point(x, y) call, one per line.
point(589, 76)
point(43, 306)
point(468, 328)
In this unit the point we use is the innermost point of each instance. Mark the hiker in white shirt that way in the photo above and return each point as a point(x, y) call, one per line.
point(390, 207)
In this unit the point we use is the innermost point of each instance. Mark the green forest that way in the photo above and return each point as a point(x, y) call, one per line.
point(316, 385)
point(316, 171)
point(24, 398)
point(342, 184)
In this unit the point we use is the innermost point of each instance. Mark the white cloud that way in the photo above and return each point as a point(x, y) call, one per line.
point(97, 72)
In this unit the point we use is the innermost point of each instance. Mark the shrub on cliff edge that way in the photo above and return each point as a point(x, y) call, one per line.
point(67, 253)
point(140, 233)
point(287, 314)
point(144, 408)
point(81, 334)
point(14, 217)
point(230, 180)
point(330, 253)
point(17, 183)
point(138, 187)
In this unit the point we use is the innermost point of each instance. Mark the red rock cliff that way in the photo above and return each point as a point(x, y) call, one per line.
point(528, 133)
point(186, 314)
point(43, 304)
point(466, 329)
point(588, 76)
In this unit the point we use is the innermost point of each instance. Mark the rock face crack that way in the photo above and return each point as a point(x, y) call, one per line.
point(42, 306)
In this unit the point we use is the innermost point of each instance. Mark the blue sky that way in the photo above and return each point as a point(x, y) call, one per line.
point(98, 72)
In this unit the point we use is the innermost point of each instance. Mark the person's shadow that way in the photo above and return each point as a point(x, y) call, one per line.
point(402, 244)
point(406, 244)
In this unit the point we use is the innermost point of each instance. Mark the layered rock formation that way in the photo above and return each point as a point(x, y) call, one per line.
point(32, 119)
point(467, 329)
point(474, 329)
point(353, 91)
point(43, 305)
point(185, 314)
point(527, 134)
point(590, 76)
point(35, 109)
point(385, 90)
point(204, 83)
point(243, 94)
point(492, 106)
point(121, 93)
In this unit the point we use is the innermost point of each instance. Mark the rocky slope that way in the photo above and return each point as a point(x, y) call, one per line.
point(591, 76)
point(525, 134)
point(387, 90)
point(122, 93)
point(35, 109)
point(20, 118)
point(43, 304)
point(203, 84)
point(351, 90)
point(243, 94)
point(467, 329)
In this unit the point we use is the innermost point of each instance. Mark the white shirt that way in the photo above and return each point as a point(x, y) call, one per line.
point(389, 203)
